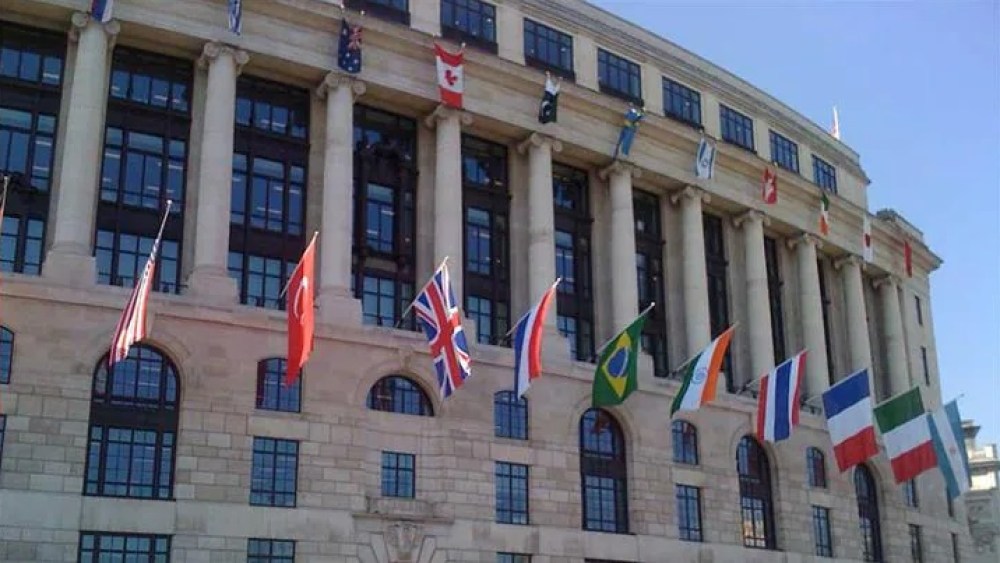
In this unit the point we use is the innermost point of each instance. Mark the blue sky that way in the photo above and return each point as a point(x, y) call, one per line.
point(918, 90)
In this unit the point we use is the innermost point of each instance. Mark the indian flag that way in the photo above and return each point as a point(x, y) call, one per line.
point(701, 375)
point(906, 435)
point(824, 214)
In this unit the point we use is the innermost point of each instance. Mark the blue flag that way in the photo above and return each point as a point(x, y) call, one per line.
point(101, 10)
point(236, 16)
point(631, 124)
point(349, 50)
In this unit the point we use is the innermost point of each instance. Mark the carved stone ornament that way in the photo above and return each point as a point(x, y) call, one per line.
point(403, 540)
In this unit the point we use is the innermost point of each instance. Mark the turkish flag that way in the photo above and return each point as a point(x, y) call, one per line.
point(451, 80)
point(301, 317)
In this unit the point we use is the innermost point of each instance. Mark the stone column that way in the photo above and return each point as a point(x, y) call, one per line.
point(895, 342)
point(759, 331)
point(336, 303)
point(448, 215)
point(624, 290)
point(541, 218)
point(696, 312)
point(857, 319)
point(811, 313)
point(70, 259)
point(209, 277)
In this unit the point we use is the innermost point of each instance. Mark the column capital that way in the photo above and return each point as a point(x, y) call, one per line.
point(692, 192)
point(887, 279)
point(214, 49)
point(536, 140)
point(847, 260)
point(335, 79)
point(443, 112)
point(805, 238)
point(751, 215)
point(80, 20)
point(619, 167)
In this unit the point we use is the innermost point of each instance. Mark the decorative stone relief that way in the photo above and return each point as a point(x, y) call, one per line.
point(403, 540)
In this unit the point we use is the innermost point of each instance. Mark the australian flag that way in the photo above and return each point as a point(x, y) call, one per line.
point(547, 112)
point(349, 51)
point(442, 321)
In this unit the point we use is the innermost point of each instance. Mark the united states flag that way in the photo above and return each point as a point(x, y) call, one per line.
point(442, 321)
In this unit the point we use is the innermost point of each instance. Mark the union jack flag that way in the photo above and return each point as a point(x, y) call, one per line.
point(442, 321)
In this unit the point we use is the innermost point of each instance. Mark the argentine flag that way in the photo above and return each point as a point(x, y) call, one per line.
point(949, 445)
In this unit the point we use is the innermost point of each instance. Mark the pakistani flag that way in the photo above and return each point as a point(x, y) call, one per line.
point(547, 112)
point(617, 369)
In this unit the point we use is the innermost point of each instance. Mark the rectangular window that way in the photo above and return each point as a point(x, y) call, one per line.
point(487, 264)
point(821, 531)
point(21, 244)
point(574, 297)
point(379, 302)
point(920, 310)
point(916, 544)
point(910, 494)
point(3, 432)
point(689, 513)
point(121, 259)
point(927, 369)
point(827, 333)
point(104, 546)
point(270, 551)
point(619, 77)
point(6, 354)
point(824, 174)
point(681, 103)
point(718, 291)
point(260, 279)
point(272, 392)
point(472, 21)
point(513, 558)
point(127, 462)
point(736, 128)
point(398, 475)
point(955, 551)
point(784, 152)
point(392, 10)
point(649, 276)
point(275, 472)
point(548, 49)
point(512, 493)
point(774, 289)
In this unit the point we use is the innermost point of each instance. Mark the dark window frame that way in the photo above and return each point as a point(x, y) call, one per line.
point(684, 442)
point(784, 152)
point(402, 476)
point(911, 496)
point(737, 128)
point(508, 557)
point(916, 543)
point(510, 416)
point(267, 475)
point(90, 542)
point(717, 276)
point(816, 468)
point(827, 304)
point(401, 395)
point(7, 337)
point(775, 286)
point(397, 11)
point(547, 48)
point(650, 277)
point(511, 479)
point(822, 531)
point(3, 434)
point(824, 175)
point(681, 103)
point(756, 495)
point(692, 527)
point(869, 520)
point(272, 393)
point(926, 365)
point(603, 470)
point(477, 14)
point(262, 550)
point(574, 297)
point(956, 552)
point(920, 310)
point(612, 70)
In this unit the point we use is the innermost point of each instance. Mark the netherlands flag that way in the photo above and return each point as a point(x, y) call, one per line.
point(848, 409)
point(778, 399)
point(528, 343)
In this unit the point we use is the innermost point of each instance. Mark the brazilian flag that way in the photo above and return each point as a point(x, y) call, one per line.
point(618, 366)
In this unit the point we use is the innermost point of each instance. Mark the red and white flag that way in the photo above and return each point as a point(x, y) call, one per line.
point(301, 315)
point(770, 187)
point(451, 76)
point(866, 239)
point(908, 257)
point(132, 324)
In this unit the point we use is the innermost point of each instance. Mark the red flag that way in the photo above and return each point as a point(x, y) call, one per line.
point(301, 316)
point(770, 187)
point(451, 78)
point(908, 257)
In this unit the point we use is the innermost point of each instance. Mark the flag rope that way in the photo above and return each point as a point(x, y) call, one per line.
point(291, 274)
point(511, 331)
point(637, 317)
point(424, 287)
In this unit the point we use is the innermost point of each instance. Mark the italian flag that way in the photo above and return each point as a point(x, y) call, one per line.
point(701, 375)
point(907, 436)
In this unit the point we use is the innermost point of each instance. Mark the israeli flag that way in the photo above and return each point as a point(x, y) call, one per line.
point(704, 163)
point(236, 16)
point(100, 10)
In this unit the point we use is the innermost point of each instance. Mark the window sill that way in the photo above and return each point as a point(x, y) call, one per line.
point(621, 95)
point(567, 74)
point(460, 35)
point(399, 507)
point(731, 143)
point(380, 11)
point(693, 124)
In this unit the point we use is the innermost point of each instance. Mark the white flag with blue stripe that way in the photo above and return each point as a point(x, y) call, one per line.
point(704, 161)
point(101, 10)
point(236, 16)
point(949, 445)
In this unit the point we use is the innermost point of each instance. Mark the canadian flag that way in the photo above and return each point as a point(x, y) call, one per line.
point(770, 187)
point(451, 79)
point(301, 316)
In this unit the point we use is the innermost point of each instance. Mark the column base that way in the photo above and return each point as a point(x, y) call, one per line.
point(212, 285)
point(70, 267)
point(337, 306)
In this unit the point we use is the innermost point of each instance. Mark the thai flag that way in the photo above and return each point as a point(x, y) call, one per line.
point(236, 16)
point(438, 312)
point(100, 10)
point(528, 343)
point(778, 400)
point(848, 409)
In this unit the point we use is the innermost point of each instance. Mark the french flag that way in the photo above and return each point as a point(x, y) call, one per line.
point(100, 10)
point(848, 408)
point(778, 400)
point(528, 343)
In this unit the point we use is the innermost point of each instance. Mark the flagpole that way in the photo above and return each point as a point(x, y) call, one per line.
point(637, 317)
point(3, 200)
point(511, 331)
point(843, 379)
point(900, 394)
point(288, 282)
point(422, 288)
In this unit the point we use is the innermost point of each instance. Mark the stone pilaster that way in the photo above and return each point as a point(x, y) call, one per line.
point(760, 338)
point(624, 291)
point(70, 259)
point(541, 218)
point(448, 215)
point(696, 312)
point(811, 313)
point(857, 318)
point(895, 340)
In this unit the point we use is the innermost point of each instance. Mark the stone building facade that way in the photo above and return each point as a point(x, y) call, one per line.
point(982, 502)
point(189, 450)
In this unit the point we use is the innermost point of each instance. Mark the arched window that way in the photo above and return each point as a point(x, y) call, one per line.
point(133, 427)
point(510, 415)
point(272, 393)
point(399, 394)
point(756, 504)
point(816, 467)
point(603, 473)
point(685, 439)
point(868, 517)
point(6, 353)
